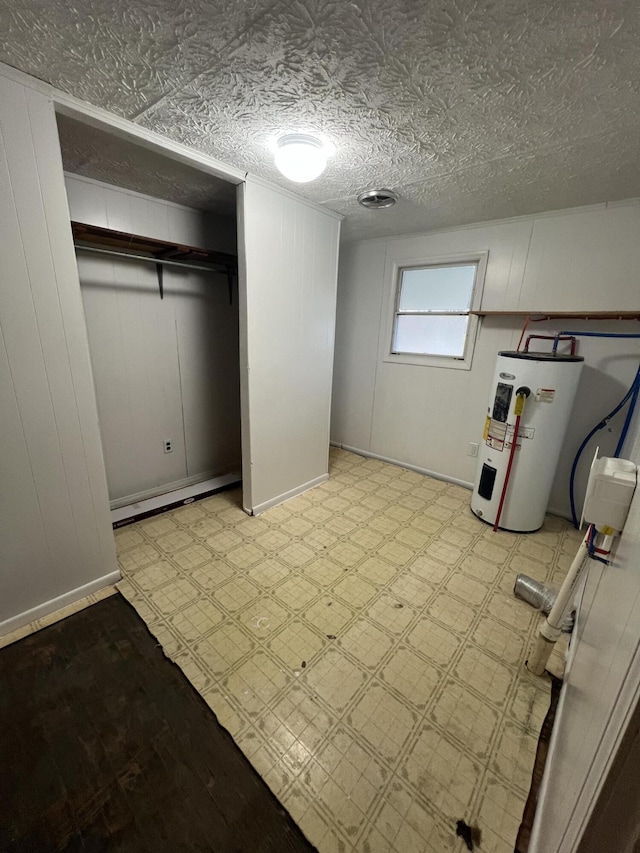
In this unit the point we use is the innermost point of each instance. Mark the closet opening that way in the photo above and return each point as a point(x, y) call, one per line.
point(156, 247)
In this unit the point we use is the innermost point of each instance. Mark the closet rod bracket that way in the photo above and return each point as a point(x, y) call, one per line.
point(160, 272)
point(230, 284)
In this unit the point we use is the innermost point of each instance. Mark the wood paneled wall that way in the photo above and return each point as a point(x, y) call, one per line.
point(56, 543)
point(427, 416)
point(164, 369)
point(287, 322)
point(600, 701)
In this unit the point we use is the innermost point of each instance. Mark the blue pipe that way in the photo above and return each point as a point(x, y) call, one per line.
point(627, 420)
point(603, 334)
point(593, 335)
point(632, 394)
point(591, 546)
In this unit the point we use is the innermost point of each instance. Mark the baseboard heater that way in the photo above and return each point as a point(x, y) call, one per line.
point(171, 500)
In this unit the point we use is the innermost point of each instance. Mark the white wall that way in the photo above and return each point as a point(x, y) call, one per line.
point(287, 321)
point(97, 203)
point(426, 416)
point(599, 701)
point(163, 369)
point(56, 543)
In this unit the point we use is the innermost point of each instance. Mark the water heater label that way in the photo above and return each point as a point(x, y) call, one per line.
point(523, 432)
point(496, 434)
point(545, 395)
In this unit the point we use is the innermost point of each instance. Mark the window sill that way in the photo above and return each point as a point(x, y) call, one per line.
point(428, 360)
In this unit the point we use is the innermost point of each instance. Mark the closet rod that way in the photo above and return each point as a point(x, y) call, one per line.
point(187, 264)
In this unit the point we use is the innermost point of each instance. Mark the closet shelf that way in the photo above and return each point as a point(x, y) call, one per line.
point(161, 253)
point(567, 315)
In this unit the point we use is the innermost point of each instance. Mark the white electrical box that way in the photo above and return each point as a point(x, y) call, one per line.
point(610, 489)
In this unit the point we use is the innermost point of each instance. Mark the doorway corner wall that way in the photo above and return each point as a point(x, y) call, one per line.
point(56, 540)
point(288, 259)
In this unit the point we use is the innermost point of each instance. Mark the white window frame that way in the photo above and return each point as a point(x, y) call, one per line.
point(395, 270)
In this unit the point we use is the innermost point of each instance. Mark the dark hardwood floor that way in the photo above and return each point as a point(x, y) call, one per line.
point(104, 745)
point(524, 833)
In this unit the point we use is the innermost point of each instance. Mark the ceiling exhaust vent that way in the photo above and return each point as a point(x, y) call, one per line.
point(377, 199)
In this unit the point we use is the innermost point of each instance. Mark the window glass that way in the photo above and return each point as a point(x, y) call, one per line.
point(431, 334)
point(445, 288)
point(434, 308)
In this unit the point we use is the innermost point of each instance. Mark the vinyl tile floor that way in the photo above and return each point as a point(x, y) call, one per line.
point(362, 645)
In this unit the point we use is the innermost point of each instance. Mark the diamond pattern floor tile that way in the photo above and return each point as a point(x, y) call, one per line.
point(363, 646)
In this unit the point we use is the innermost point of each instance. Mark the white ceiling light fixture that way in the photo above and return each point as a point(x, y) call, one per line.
point(300, 157)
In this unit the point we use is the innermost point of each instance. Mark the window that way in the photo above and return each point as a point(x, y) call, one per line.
point(431, 320)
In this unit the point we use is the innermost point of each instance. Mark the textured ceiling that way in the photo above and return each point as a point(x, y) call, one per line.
point(96, 154)
point(469, 110)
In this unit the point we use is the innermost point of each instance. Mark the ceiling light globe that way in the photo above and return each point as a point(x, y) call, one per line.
point(300, 158)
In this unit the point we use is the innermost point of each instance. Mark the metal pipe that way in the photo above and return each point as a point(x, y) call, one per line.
point(539, 595)
point(555, 339)
point(536, 593)
point(551, 628)
point(155, 261)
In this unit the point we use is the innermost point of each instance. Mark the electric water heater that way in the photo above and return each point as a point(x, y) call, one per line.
point(534, 391)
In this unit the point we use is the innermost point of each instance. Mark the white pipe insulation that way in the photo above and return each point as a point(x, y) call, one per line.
point(551, 628)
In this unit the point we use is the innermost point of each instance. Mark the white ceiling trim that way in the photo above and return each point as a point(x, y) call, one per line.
point(74, 108)
point(256, 179)
point(101, 119)
point(491, 223)
point(79, 110)
point(25, 79)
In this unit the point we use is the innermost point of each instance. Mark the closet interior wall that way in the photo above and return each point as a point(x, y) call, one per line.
point(164, 369)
